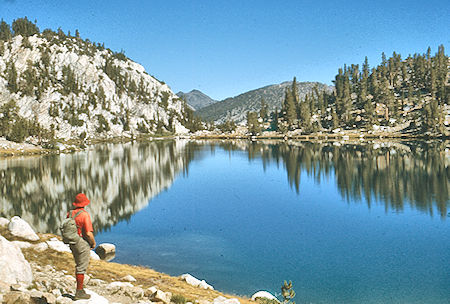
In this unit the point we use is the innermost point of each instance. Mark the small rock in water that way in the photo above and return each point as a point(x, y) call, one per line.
point(105, 250)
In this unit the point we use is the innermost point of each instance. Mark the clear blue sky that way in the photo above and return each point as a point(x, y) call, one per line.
point(227, 47)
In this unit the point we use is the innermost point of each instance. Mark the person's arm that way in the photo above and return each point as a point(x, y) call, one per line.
point(90, 239)
point(88, 230)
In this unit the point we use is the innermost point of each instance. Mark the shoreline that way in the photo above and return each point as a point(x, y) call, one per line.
point(57, 266)
point(12, 149)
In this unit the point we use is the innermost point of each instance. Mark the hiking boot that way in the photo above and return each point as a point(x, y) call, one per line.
point(80, 294)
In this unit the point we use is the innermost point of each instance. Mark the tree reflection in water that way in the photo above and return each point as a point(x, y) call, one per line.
point(415, 173)
point(120, 179)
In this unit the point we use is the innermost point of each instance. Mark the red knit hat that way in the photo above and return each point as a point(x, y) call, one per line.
point(81, 200)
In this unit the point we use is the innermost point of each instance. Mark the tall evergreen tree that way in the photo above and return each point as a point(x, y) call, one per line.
point(11, 77)
point(305, 115)
point(295, 93)
point(5, 31)
point(24, 27)
point(264, 110)
point(290, 113)
point(252, 123)
point(274, 122)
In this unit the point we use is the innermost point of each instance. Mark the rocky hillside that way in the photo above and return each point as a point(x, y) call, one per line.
point(197, 99)
point(71, 88)
point(236, 108)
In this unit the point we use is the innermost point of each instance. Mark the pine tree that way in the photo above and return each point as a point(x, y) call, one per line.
point(305, 115)
point(343, 94)
point(263, 111)
point(11, 77)
point(24, 27)
point(5, 31)
point(364, 85)
point(441, 71)
point(290, 113)
point(253, 125)
point(295, 93)
point(9, 113)
point(274, 122)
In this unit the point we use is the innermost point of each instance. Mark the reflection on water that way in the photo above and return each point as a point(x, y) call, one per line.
point(120, 179)
point(415, 173)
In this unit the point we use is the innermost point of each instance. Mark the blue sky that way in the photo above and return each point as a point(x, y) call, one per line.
point(225, 48)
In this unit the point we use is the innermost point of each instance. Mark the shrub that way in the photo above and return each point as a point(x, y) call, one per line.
point(19, 131)
point(178, 299)
point(103, 124)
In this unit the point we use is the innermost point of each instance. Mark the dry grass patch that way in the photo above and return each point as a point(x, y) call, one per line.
point(109, 272)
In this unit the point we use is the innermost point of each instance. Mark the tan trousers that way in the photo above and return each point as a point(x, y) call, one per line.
point(81, 254)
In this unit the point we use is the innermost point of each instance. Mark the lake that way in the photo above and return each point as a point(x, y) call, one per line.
point(363, 222)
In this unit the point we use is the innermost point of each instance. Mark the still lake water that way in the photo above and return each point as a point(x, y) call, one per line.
point(346, 223)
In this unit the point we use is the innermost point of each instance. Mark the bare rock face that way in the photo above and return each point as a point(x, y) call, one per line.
point(20, 228)
point(14, 267)
point(4, 222)
point(107, 96)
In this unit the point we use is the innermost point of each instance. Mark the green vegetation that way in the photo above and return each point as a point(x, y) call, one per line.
point(396, 91)
point(191, 120)
point(287, 293)
point(79, 97)
point(227, 127)
point(103, 125)
point(178, 299)
point(16, 128)
point(253, 124)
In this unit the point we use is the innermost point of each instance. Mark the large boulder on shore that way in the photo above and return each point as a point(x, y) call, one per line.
point(14, 268)
point(20, 228)
point(106, 251)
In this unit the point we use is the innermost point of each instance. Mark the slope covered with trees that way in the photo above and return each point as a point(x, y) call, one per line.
point(236, 108)
point(408, 95)
point(58, 85)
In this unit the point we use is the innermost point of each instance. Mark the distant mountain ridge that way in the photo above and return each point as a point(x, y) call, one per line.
point(196, 99)
point(236, 108)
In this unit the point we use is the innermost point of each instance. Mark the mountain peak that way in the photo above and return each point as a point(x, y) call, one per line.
point(197, 99)
point(236, 108)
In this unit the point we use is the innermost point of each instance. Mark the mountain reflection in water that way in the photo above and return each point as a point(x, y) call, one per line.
point(121, 179)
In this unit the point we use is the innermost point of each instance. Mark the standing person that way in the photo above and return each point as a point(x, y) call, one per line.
point(81, 250)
